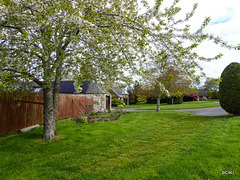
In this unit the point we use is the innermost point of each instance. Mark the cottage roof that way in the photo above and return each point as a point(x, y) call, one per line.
point(121, 91)
point(65, 87)
point(87, 88)
point(90, 88)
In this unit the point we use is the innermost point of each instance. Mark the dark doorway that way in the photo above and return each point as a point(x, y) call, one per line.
point(108, 101)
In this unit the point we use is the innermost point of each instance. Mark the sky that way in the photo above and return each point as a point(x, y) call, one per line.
point(225, 23)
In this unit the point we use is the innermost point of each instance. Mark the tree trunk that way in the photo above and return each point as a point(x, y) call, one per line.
point(49, 125)
point(55, 101)
point(56, 87)
point(158, 103)
point(55, 108)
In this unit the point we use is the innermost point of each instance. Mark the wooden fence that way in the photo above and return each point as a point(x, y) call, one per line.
point(21, 110)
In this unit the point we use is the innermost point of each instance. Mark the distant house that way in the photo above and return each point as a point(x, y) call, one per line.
point(203, 95)
point(101, 100)
point(121, 94)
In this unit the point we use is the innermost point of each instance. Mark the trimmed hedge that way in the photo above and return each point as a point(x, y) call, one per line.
point(229, 89)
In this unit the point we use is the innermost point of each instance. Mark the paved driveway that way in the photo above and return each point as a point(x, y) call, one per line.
point(214, 111)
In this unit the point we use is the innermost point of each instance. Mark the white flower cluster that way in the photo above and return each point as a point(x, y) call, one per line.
point(163, 89)
point(3, 34)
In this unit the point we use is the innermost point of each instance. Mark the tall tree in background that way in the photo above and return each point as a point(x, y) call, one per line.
point(211, 84)
point(167, 82)
point(173, 45)
point(43, 41)
point(176, 84)
point(137, 94)
point(175, 81)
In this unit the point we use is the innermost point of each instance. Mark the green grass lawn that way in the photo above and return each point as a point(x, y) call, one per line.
point(184, 105)
point(140, 145)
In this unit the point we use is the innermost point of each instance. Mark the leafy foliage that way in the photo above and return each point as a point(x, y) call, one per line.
point(93, 113)
point(229, 89)
point(175, 82)
point(82, 120)
point(176, 98)
point(138, 94)
point(117, 103)
point(193, 96)
point(131, 96)
point(211, 84)
point(141, 99)
point(80, 38)
point(214, 94)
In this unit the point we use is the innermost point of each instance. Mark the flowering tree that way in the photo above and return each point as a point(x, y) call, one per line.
point(172, 44)
point(211, 84)
point(43, 41)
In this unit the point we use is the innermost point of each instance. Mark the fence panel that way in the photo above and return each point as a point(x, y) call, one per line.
point(21, 110)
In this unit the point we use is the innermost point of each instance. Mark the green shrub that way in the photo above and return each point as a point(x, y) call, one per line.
point(164, 99)
point(117, 102)
point(176, 98)
point(229, 89)
point(92, 120)
point(112, 115)
point(93, 113)
point(209, 94)
point(141, 99)
point(214, 95)
point(109, 110)
point(83, 120)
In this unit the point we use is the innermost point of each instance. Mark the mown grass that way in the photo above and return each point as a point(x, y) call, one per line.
point(140, 145)
point(184, 105)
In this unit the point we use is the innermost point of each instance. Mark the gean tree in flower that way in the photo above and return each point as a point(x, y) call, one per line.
point(43, 41)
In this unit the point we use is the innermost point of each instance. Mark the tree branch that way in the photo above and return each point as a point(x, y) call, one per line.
point(12, 27)
point(40, 83)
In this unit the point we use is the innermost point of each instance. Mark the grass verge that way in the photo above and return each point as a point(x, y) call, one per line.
point(140, 145)
point(184, 105)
